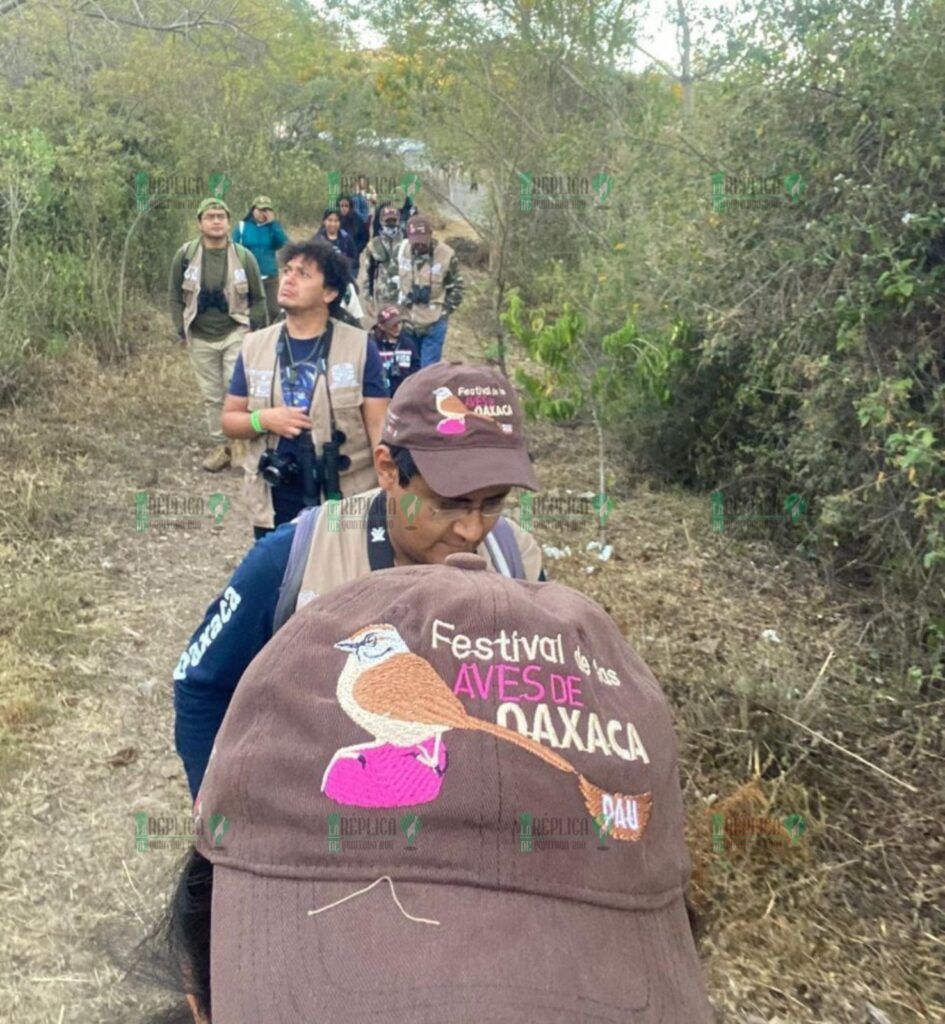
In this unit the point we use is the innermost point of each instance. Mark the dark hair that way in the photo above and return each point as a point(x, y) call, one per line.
point(328, 212)
point(345, 199)
point(176, 953)
point(403, 460)
point(378, 212)
point(334, 267)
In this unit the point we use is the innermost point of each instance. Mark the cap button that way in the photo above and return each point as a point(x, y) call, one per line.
point(466, 560)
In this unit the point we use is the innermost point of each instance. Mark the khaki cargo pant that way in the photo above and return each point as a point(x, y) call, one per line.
point(213, 363)
point(271, 287)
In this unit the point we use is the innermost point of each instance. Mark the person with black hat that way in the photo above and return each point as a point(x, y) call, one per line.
point(264, 236)
point(451, 450)
point(399, 355)
point(215, 294)
point(430, 287)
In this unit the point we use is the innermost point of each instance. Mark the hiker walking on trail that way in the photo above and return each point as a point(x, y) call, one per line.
point(399, 355)
point(215, 294)
point(430, 287)
point(353, 224)
point(264, 236)
point(444, 480)
point(382, 277)
point(364, 201)
point(308, 394)
point(442, 699)
point(332, 231)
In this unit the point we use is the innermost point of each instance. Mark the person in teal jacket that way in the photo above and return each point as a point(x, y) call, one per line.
point(264, 236)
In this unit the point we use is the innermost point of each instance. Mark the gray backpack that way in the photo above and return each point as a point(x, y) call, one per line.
point(501, 542)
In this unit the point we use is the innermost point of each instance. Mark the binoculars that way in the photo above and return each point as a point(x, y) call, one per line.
point(320, 474)
point(213, 298)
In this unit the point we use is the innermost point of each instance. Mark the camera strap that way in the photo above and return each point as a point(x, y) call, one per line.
point(319, 360)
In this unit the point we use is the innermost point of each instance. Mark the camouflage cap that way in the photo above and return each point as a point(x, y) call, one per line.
point(263, 203)
point(211, 203)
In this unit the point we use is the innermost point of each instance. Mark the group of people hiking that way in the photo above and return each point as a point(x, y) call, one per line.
point(225, 287)
point(389, 609)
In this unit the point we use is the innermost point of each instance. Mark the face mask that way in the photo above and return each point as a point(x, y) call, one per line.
point(389, 231)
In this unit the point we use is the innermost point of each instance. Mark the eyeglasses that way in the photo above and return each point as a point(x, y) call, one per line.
point(452, 511)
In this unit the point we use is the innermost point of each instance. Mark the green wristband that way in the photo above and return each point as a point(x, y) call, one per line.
point(255, 423)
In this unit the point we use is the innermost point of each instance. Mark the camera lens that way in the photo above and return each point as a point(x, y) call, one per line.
point(344, 462)
point(339, 437)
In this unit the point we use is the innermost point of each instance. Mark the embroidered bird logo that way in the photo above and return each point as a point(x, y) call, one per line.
point(454, 413)
point(400, 699)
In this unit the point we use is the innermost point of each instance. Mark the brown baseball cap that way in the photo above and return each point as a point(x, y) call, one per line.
point(463, 426)
point(419, 226)
point(440, 793)
point(389, 315)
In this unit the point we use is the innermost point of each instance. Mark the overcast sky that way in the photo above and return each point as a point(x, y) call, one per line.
point(658, 36)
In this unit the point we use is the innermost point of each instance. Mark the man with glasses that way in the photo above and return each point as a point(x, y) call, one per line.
point(451, 450)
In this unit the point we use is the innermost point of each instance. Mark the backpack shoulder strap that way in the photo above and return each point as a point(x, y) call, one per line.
point(242, 252)
point(295, 567)
point(242, 228)
point(503, 547)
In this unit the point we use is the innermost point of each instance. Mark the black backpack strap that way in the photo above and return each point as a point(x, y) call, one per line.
point(295, 567)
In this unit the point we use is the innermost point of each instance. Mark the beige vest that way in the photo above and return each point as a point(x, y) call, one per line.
point(423, 273)
point(235, 286)
point(338, 553)
point(345, 375)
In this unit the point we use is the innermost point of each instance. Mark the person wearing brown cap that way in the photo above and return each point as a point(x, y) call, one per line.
point(264, 236)
point(215, 294)
point(399, 355)
point(430, 287)
point(441, 794)
point(451, 450)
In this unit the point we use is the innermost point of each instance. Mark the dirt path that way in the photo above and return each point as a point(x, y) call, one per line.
point(100, 748)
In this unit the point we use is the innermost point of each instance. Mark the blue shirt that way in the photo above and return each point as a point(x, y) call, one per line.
point(263, 241)
point(299, 393)
point(235, 628)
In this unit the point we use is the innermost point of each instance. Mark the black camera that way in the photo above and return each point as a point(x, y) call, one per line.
point(420, 294)
point(277, 469)
point(212, 298)
point(320, 475)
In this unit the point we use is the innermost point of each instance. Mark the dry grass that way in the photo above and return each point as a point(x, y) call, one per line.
point(94, 615)
point(847, 923)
